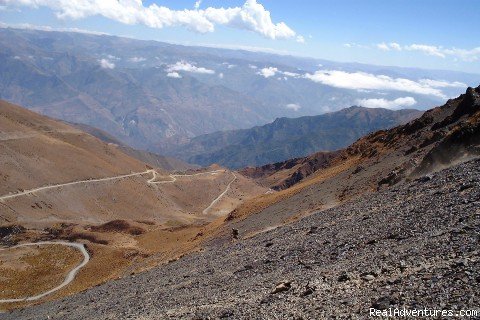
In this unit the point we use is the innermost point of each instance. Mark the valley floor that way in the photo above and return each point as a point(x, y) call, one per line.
point(415, 245)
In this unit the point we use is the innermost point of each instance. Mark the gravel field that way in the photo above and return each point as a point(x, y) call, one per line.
point(414, 245)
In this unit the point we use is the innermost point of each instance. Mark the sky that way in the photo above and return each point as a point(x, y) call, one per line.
point(433, 34)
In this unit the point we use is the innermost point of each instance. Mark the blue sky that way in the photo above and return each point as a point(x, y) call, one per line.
point(438, 34)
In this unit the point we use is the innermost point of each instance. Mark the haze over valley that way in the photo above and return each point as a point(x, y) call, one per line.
point(154, 96)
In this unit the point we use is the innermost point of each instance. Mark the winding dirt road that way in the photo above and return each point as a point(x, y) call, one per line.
point(31, 191)
point(173, 178)
point(150, 181)
point(70, 277)
point(214, 202)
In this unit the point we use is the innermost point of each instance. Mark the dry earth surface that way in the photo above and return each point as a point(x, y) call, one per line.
point(29, 271)
point(414, 245)
point(59, 183)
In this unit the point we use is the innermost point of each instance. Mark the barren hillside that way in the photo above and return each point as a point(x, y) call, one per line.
point(60, 183)
point(396, 248)
point(440, 138)
point(77, 178)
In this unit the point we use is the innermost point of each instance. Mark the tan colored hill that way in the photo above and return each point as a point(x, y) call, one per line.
point(36, 151)
point(60, 183)
point(81, 179)
point(166, 163)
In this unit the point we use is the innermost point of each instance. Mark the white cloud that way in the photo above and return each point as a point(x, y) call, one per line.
point(106, 64)
point(291, 74)
point(468, 55)
point(188, 67)
point(462, 54)
point(389, 46)
point(368, 81)
point(395, 46)
point(268, 72)
point(251, 66)
point(220, 75)
point(252, 16)
point(175, 75)
point(387, 104)
point(442, 84)
point(355, 45)
point(300, 39)
point(429, 50)
point(383, 46)
point(272, 71)
point(28, 26)
point(229, 66)
point(293, 106)
point(137, 59)
point(197, 4)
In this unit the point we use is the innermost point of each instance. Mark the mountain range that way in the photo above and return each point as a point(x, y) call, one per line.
point(152, 95)
point(287, 138)
point(439, 138)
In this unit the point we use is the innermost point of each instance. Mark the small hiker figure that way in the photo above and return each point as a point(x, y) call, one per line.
point(235, 233)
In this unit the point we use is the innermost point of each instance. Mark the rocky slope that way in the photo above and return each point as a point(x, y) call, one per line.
point(441, 137)
point(395, 248)
point(288, 138)
point(374, 225)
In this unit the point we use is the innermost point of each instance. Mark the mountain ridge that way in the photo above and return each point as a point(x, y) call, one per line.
point(374, 162)
point(125, 87)
point(287, 138)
